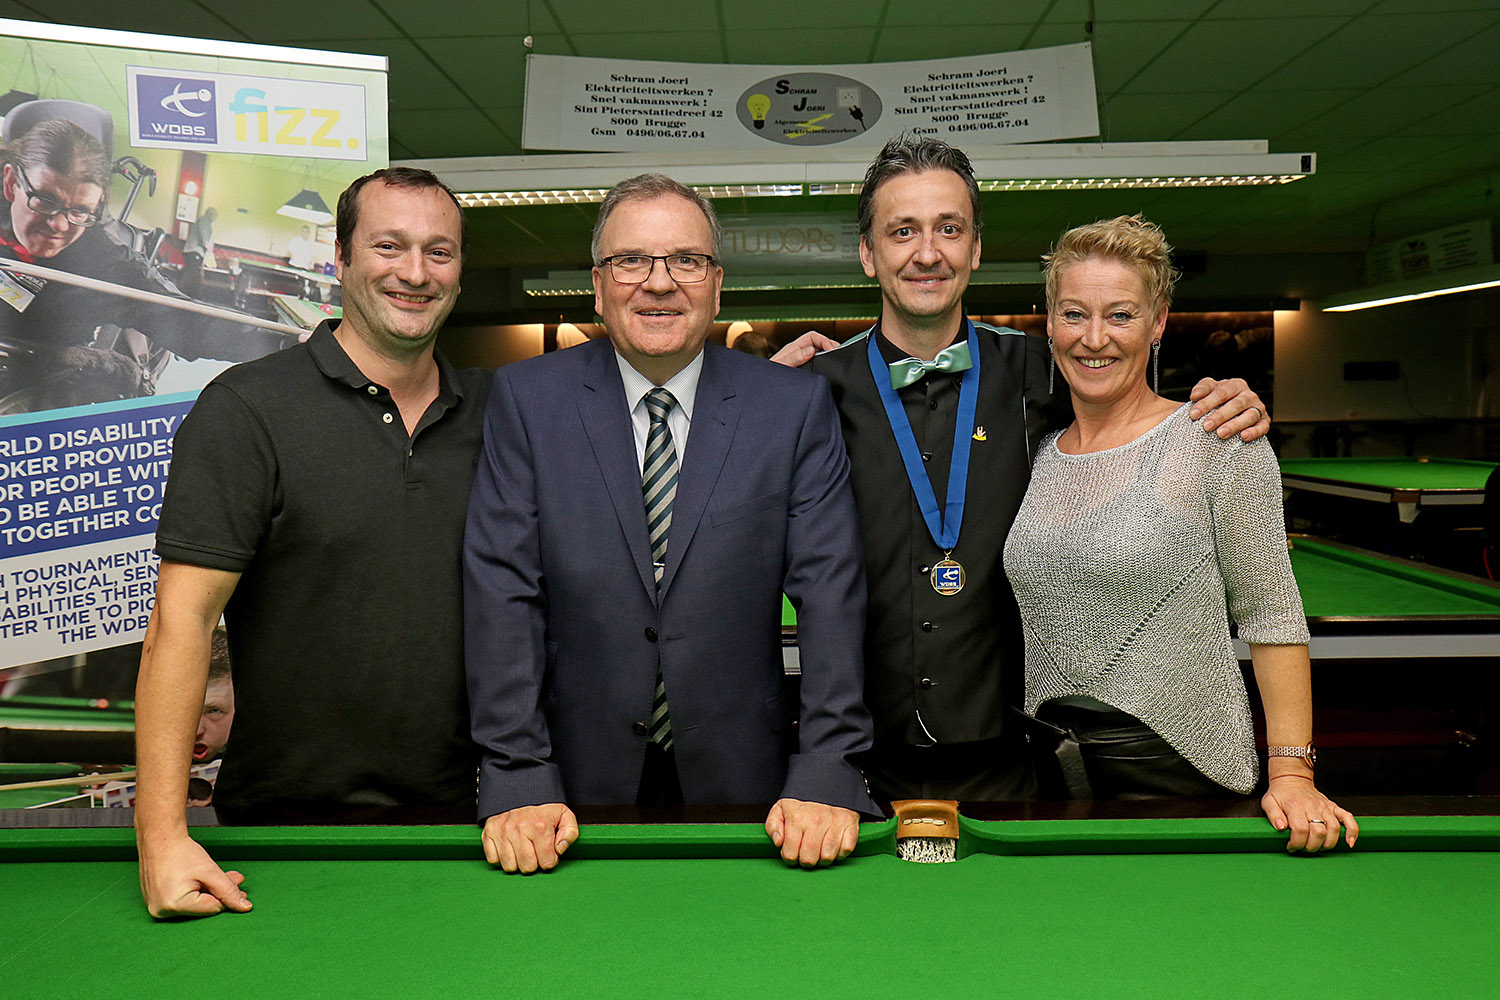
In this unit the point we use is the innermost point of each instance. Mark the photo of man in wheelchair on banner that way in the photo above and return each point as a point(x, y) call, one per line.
point(90, 309)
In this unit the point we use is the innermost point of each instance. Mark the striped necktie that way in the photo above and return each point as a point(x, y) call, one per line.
point(659, 488)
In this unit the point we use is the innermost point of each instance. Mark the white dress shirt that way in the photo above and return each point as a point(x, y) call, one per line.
point(684, 388)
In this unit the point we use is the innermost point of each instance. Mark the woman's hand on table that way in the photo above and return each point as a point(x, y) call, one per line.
point(531, 837)
point(1293, 803)
point(812, 834)
point(179, 879)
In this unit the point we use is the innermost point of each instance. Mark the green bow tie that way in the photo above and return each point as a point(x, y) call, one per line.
point(949, 359)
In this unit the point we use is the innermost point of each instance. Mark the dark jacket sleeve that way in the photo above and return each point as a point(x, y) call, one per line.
point(825, 581)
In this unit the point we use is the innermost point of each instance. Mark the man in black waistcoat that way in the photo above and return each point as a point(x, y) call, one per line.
point(944, 657)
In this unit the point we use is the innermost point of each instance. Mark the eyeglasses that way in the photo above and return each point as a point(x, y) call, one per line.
point(46, 205)
point(635, 268)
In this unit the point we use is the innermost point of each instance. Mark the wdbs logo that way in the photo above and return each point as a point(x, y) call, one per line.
point(175, 108)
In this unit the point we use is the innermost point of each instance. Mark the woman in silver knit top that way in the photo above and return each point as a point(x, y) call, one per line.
point(1140, 538)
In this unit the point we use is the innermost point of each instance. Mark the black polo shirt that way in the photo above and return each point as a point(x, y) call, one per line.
point(346, 629)
point(942, 669)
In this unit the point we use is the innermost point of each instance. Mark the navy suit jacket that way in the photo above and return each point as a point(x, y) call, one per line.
point(566, 628)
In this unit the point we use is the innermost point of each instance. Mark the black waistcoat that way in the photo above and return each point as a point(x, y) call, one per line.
point(943, 669)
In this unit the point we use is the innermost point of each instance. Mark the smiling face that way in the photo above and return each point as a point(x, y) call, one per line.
point(46, 236)
point(659, 325)
point(1102, 327)
point(401, 280)
point(922, 247)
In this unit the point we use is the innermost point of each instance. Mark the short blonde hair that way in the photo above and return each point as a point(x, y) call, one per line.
point(1133, 240)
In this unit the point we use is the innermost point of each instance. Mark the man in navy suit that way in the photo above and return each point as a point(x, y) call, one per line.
point(618, 655)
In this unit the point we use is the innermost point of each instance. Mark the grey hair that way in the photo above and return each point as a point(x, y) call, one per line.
point(909, 154)
point(645, 186)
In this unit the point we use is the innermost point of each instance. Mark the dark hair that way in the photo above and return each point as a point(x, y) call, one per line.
point(652, 186)
point(66, 149)
point(218, 656)
point(910, 154)
point(402, 177)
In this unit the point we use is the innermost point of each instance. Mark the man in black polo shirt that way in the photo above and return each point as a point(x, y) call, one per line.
point(317, 499)
point(943, 654)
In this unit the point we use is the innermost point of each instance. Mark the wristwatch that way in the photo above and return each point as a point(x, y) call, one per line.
point(1308, 753)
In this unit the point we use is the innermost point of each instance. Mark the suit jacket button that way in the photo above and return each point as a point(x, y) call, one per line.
point(650, 634)
point(928, 683)
point(927, 626)
point(639, 728)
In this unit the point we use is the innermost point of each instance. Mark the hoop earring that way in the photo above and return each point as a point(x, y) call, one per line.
point(1051, 366)
point(1156, 367)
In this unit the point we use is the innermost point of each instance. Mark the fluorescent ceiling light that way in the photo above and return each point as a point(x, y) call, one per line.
point(580, 282)
point(1467, 279)
point(494, 181)
point(583, 196)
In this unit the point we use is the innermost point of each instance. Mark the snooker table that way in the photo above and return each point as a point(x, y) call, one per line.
point(1365, 605)
point(56, 728)
point(1409, 483)
point(301, 312)
point(1174, 906)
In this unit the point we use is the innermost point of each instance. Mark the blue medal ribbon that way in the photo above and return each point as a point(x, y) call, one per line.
point(944, 532)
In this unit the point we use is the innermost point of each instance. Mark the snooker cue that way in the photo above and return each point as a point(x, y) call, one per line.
point(78, 780)
point(155, 298)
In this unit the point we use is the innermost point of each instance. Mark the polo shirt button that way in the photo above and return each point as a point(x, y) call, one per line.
point(639, 728)
point(373, 390)
point(927, 626)
point(928, 683)
point(387, 417)
point(650, 634)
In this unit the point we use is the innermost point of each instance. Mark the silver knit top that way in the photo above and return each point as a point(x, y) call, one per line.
point(1129, 564)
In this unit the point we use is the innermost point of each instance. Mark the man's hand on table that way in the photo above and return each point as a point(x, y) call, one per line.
point(1230, 407)
point(180, 880)
point(800, 351)
point(812, 834)
point(531, 837)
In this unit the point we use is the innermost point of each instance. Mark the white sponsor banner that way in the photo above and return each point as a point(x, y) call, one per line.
point(1461, 245)
point(220, 112)
point(622, 105)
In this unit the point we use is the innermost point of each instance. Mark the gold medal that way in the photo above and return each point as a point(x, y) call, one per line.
point(947, 577)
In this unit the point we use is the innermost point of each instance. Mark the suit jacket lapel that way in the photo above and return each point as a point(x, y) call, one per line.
point(715, 417)
point(606, 421)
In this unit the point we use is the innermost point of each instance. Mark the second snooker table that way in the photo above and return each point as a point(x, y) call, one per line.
point(1151, 908)
point(1365, 605)
point(56, 728)
point(1409, 483)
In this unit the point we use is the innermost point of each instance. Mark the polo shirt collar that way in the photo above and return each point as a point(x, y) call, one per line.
point(333, 362)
